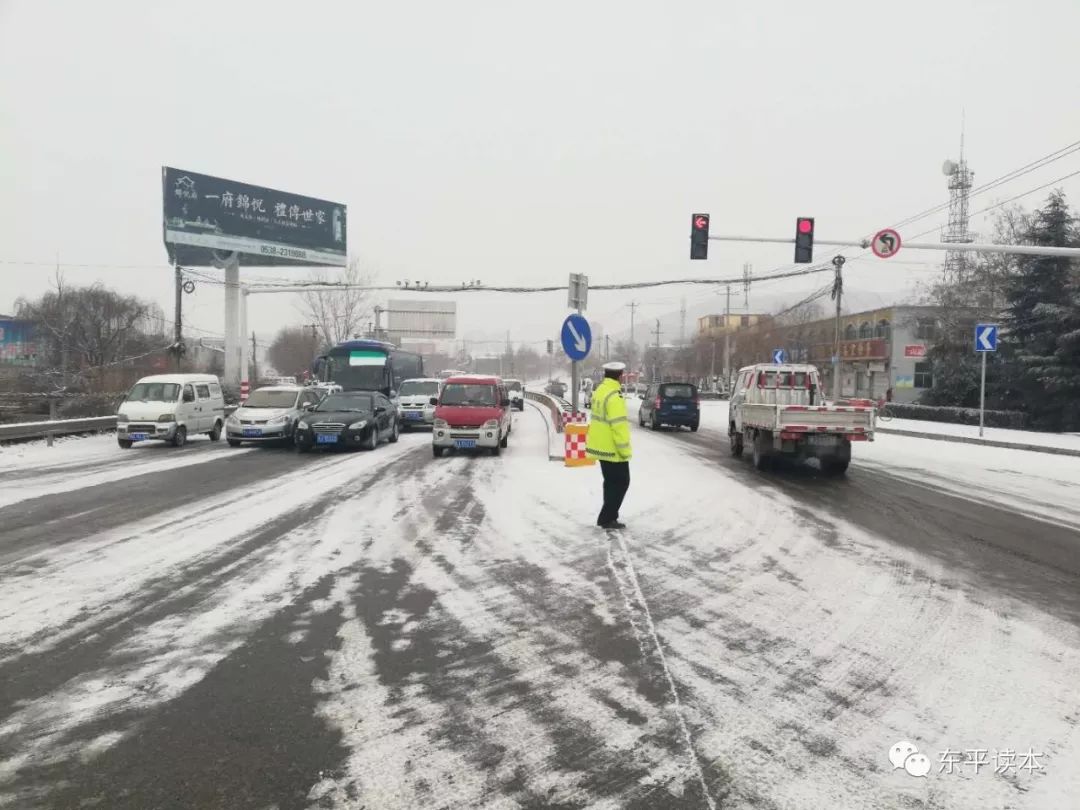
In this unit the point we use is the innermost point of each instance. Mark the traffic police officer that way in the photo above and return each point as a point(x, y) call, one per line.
point(608, 440)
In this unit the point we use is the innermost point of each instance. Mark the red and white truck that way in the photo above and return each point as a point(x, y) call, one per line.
point(779, 410)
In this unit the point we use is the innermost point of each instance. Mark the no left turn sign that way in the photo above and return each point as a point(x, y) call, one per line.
point(885, 243)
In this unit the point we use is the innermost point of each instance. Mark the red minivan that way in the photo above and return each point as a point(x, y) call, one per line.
point(471, 412)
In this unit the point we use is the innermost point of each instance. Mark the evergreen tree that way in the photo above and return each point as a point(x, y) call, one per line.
point(1042, 325)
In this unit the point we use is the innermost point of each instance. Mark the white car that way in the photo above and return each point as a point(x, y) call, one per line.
point(414, 402)
point(171, 407)
point(516, 389)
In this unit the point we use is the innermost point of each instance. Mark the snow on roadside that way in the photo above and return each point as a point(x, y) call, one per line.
point(1069, 441)
point(65, 450)
point(1043, 486)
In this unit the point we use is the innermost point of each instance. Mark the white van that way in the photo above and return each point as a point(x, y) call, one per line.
point(171, 407)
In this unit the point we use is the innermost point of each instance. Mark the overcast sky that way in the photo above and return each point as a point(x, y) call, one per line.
point(518, 142)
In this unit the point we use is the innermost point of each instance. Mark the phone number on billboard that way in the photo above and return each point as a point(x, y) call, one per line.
point(290, 253)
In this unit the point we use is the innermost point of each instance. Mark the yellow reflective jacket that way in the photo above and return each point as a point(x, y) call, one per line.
point(609, 431)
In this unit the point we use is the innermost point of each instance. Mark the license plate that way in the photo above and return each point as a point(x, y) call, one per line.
point(413, 415)
point(137, 437)
point(465, 444)
point(826, 440)
point(323, 438)
point(678, 407)
point(253, 431)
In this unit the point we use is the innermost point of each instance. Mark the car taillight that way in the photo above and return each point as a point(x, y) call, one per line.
point(657, 403)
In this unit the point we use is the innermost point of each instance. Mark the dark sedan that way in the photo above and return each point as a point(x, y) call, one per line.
point(348, 419)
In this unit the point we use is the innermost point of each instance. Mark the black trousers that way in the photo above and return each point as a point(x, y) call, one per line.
point(616, 482)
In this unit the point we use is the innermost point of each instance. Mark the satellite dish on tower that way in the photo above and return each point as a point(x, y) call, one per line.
point(948, 167)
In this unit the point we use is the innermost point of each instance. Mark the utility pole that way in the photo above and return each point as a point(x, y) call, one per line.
point(727, 337)
point(633, 346)
point(838, 294)
point(178, 316)
point(254, 361)
point(607, 348)
point(657, 365)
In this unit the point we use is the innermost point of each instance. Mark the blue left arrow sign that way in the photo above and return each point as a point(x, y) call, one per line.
point(779, 356)
point(576, 337)
point(986, 335)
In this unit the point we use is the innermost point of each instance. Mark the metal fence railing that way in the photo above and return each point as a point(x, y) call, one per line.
point(55, 427)
point(50, 428)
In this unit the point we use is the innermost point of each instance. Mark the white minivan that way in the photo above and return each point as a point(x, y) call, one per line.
point(171, 407)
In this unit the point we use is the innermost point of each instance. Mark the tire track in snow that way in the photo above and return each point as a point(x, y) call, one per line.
point(131, 670)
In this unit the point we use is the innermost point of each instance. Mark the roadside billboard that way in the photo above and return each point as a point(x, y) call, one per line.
point(17, 346)
point(431, 320)
point(204, 214)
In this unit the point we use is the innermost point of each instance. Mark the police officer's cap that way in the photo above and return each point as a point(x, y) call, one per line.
point(614, 365)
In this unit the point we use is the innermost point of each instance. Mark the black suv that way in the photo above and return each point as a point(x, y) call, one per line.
point(670, 404)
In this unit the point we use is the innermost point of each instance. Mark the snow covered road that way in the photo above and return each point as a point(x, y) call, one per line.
point(387, 630)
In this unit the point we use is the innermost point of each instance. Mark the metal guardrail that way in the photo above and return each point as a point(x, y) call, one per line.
point(50, 428)
point(556, 406)
point(56, 427)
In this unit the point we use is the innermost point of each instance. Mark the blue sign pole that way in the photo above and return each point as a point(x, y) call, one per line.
point(986, 335)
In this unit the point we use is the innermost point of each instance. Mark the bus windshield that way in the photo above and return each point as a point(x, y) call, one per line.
point(358, 370)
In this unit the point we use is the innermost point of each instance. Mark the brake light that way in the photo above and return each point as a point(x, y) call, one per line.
point(657, 403)
point(697, 402)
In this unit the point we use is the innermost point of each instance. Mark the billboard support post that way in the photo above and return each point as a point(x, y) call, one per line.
point(245, 356)
point(232, 325)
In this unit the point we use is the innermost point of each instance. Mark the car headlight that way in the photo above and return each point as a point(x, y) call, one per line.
point(303, 425)
point(358, 425)
point(491, 424)
point(441, 423)
point(167, 417)
point(233, 419)
point(278, 420)
point(121, 418)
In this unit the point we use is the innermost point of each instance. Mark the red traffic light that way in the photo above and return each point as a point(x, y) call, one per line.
point(805, 225)
point(701, 223)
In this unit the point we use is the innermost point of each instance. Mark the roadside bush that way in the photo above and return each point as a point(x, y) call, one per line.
point(958, 416)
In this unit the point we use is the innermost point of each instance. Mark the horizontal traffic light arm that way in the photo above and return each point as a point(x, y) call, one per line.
point(967, 247)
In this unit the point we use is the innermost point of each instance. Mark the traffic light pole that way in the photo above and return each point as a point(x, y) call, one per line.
point(969, 247)
point(838, 294)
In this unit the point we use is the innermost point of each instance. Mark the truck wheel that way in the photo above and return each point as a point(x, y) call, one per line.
point(436, 451)
point(215, 434)
point(394, 434)
point(655, 425)
point(179, 438)
point(497, 449)
point(233, 442)
point(736, 442)
point(505, 440)
point(694, 427)
point(640, 418)
point(124, 443)
point(762, 451)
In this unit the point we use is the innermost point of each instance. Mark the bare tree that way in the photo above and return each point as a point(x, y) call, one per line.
point(293, 350)
point(82, 330)
point(339, 314)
